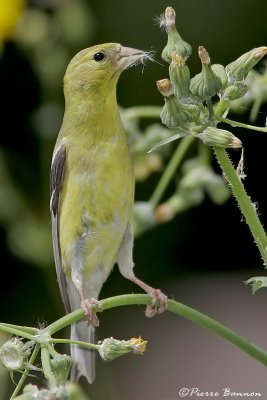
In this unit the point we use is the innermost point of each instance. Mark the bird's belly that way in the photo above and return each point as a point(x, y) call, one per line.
point(92, 223)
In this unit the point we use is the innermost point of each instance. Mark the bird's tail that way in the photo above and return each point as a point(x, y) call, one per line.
point(83, 358)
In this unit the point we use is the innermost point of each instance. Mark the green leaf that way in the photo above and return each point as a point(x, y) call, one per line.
point(168, 140)
point(258, 282)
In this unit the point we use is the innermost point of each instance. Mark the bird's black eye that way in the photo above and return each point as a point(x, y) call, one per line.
point(99, 56)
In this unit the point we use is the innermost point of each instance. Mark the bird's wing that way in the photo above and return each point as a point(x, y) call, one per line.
point(56, 182)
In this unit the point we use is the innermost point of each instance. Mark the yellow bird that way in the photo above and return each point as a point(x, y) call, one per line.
point(92, 191)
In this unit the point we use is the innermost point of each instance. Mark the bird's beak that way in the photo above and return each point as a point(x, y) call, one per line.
point(128, 57)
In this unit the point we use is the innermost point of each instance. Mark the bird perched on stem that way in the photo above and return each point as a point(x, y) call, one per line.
point(92, 191)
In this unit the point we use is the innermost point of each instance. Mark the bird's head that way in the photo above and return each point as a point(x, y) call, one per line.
point(100, 66)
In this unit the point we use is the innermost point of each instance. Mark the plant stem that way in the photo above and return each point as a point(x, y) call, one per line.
point(222, 107)
point(26, 329)
point(246, 206)
point(241, 125)
point(169, 171)
point(78, 342)
point(218, 328)
point(16, 332)
point(177, 308)
point(67, 320)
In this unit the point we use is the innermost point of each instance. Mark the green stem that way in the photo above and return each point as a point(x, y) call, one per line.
point(246, 206)
point(137, 299)
point(210, 109)
point(222, 106)
point(16, 332)
point(241, 125)
point(46, 364)
point(177, 308)
point(26, 329)
point(218, 328)
point(66, 321)
point(26, 372)
point(78, 342)
point(171, 168)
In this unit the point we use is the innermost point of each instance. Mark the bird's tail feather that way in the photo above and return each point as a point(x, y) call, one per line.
point(83, 358)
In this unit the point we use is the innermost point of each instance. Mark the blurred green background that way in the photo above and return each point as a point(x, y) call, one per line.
point(201, 257)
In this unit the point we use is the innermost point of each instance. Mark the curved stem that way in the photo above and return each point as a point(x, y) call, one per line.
point(169, 171)
point(176, 308)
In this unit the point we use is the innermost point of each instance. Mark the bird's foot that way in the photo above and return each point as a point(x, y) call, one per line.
point(156, 297)
point(87, 306)
point(159, 300)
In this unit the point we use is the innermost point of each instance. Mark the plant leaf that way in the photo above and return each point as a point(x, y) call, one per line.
point(168, 140)
point(258, 282)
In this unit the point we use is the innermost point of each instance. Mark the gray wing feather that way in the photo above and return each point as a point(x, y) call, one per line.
point(56, 181)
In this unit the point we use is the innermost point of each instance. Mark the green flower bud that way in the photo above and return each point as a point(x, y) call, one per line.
point(112, 348)
point(235, 91)
point(180, 76)
point(219, 138)
point(174, 114)
point(219, 70)
point(205, 84)
point(238, 69)
point(175, 42)
point(61, 366)
point(194, 112)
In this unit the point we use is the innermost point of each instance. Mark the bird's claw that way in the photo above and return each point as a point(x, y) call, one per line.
point(155, 308)
point(87, 306)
